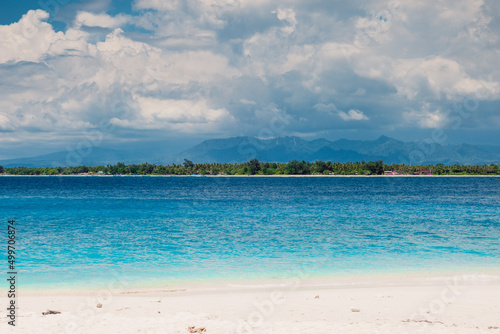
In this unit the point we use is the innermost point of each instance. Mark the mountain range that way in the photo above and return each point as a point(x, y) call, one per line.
point(389, 150)
point(283, 149)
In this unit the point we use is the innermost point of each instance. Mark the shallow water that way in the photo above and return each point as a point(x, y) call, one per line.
point(86, 231)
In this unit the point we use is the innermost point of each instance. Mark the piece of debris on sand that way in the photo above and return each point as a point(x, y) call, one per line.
point(50, 312)
point(193, 329)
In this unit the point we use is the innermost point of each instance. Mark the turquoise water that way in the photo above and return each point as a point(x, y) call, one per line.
point(84, 231)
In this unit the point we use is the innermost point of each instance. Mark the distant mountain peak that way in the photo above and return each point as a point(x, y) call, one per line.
point(384, 139)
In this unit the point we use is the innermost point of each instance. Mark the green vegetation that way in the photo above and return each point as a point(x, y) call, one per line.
point(254, 167)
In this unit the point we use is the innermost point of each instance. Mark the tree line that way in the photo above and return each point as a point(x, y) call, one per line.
point(255, 167)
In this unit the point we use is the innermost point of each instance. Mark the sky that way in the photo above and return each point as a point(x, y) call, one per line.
point(170, 74)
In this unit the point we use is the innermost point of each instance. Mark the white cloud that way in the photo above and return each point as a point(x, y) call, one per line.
point(157, 4)
point(431, 78)
point(426, 118)
point(187, 15)
point(81, 84)
point(32, 39)
point(5, 124)
point(101, 20)
point(288, 15)
point(117, 43)
point(28, 39)
point(185, 116)
point(353, 115)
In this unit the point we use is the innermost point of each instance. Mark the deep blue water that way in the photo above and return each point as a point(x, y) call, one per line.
point(159, 230)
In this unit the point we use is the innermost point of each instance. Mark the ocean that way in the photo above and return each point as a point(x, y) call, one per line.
point(165, 231)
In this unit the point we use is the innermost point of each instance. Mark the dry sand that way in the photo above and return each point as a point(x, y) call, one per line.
point(451, 306)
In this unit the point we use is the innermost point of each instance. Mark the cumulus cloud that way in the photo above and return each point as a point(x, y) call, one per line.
point(32, 39)
point(219, 67)
point(424, 78)
point(185, 116)
point(27, 39)
point(78, 85)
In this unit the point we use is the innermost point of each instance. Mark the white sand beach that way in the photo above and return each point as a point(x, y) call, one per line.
point(449, 306)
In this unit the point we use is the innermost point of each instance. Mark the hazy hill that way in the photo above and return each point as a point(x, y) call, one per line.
point(284, 149)
point(97, 156)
